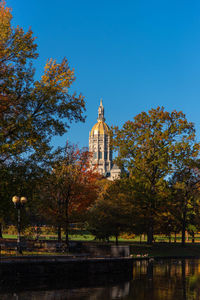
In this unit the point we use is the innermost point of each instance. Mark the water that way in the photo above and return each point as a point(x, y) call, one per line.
point(154, 280)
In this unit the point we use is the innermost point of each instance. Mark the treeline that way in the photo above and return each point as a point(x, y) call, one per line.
point(160, 185)
point(158, 154)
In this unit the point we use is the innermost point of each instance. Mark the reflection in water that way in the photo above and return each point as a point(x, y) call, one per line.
point(119, 292)
point(114, 292)
point(172, 279)
point(154, 280)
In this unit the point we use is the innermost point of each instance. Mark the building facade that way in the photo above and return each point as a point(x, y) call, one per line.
point(99, 145)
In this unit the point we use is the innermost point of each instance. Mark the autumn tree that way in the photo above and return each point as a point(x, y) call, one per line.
point(69, 189)
point(31, 111)
point(150, 147)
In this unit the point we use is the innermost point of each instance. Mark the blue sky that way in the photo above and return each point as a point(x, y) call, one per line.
point(134, 54)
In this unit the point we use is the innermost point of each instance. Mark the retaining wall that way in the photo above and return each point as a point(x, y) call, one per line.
point(60, 270)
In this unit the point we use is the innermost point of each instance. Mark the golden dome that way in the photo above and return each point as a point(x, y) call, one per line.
point(100, 128)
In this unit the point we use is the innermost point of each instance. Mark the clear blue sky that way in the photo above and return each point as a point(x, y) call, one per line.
point(134, 54)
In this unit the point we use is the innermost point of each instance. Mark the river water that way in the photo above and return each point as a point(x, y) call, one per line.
point(173, 279)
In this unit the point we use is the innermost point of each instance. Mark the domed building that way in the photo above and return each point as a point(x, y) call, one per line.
point(99, 145)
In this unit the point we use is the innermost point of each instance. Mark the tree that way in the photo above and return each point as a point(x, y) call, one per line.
point(150, 147)
point(69, 189)
point(114, 211)
point(185, 185)
point(31, 111)
point(22, 179)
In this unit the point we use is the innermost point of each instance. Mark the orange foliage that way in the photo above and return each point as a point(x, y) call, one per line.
point(72, 186)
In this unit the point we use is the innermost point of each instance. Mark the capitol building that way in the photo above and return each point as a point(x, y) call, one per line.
point(99, 145)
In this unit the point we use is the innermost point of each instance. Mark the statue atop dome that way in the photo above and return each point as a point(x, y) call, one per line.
point(101, 112)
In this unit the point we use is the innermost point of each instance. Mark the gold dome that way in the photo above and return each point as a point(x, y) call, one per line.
point(100, 128)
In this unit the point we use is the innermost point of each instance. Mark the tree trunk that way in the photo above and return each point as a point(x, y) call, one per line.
point(193, 237)
point(187, 236)
point(175, 237)
point(150, 234)
point(66, 224)
point(67, 233)
point(169, 238)
point(1, 234)
point(150, 237)
point(59, 233)
point(116, 240)
point(183, 234)
point(37, 228)
point(183, 228)
point(60, 214)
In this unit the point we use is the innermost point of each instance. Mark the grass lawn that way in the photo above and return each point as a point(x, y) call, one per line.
point(84, 235)
point(138, 246)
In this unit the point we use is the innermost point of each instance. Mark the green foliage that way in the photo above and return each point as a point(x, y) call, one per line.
point(20, 179)
point(154, 142)
point(151, 147)
point(112, 213)
point(184, 203)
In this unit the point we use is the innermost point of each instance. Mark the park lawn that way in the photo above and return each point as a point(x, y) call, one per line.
point(161, 247)
point(137, 249)
point(74, 237)
point(82, 235)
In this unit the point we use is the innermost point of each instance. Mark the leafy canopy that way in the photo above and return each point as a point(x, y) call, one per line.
point(155, 143)
point(31, 111)
point(151, 148)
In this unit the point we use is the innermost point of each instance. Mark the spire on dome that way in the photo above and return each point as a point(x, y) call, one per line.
point(101, 112)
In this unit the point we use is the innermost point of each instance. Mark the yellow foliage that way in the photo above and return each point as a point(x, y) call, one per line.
point(58, 75)
point(127, 236)
point(5, 19)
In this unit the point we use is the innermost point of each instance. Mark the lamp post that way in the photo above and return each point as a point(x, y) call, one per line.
point(19, 202)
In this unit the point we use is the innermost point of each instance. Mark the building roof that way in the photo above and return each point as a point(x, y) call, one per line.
point(100, 128)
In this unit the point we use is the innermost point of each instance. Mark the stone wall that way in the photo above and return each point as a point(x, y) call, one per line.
point(99, 250)
point(60, 270)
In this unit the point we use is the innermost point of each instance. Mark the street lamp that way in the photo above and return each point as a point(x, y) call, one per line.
point(19, 202)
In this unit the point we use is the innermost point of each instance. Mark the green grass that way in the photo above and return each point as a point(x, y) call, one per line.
point(161, 247)
point(9, 236)
point(137, 249)
point(83, 235)
point(74, 237)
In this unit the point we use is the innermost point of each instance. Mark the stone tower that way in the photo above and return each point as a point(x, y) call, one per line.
point(99, 145)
